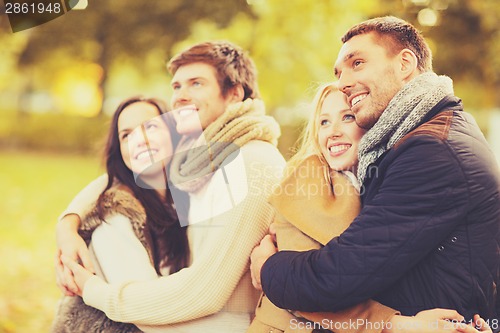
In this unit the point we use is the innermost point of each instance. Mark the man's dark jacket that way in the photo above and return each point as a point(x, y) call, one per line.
point(428, 234)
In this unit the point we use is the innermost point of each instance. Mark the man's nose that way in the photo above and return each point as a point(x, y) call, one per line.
point(180, 96)
point(345, 82)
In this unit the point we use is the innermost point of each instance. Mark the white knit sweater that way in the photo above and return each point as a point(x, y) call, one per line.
point(218, 280)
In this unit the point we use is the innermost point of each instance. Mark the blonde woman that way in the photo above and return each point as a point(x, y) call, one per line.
point(320, 186)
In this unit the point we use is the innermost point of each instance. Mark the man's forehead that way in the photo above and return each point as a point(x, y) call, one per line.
point(346, 52)
point(194, 70)
point(356, 46)
point(353, 45)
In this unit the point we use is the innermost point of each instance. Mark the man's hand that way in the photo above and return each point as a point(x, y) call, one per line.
point(80, 274)
point(439, 314)
point(259, 255)
point(71, 245)
point(479, 325)
point(435, 321)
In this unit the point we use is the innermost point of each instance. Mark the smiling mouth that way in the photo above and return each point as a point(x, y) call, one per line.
point(338, 149)
point(186, 111)
point(358, 99)
point(146, 154)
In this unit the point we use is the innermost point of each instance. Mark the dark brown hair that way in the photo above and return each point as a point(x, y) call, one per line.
point(164, 235)
point(395, 35)
point(232, 66)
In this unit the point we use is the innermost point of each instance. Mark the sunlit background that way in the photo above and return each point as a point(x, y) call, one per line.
point(60, 81)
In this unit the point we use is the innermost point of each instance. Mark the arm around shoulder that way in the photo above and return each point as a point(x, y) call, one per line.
point(206, 286)
point(422, 195)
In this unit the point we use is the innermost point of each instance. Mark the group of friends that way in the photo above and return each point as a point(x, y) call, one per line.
point(386, 219)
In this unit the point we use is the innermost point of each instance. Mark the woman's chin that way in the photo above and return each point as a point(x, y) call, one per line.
point(152, 176)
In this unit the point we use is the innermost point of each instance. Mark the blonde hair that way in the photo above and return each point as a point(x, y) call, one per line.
point(309, 144)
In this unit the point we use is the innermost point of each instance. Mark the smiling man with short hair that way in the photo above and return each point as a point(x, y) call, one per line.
point(228, 163)
point(428, 234)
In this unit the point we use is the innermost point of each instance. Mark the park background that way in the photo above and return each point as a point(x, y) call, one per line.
point(60, 81)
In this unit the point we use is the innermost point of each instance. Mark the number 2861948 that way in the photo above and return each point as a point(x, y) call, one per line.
point(33, 8)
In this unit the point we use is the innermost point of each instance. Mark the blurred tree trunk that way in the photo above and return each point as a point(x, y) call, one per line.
point(104, 61)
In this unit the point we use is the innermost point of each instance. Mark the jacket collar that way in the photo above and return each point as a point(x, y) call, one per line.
point(447, 103)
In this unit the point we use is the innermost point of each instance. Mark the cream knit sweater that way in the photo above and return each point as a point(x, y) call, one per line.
point(218, 278)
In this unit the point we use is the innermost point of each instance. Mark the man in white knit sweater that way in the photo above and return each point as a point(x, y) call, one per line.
point(214, 84)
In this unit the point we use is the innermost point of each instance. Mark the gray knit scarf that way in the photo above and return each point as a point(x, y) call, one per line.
point(404, 113)
point(197, 158)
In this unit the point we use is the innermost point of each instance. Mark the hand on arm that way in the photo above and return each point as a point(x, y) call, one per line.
point(71, 245)
point(479, 325)
point(428, 321)
point(204, 287)
point(69, 242)
point(435, 321)
point(79, 274)
point(327, 279)
point(259, 255)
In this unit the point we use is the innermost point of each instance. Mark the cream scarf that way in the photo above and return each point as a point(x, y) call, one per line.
point(197, 158)
point(403, 114)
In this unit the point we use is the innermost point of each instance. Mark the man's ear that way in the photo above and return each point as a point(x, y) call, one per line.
point(408, 64)
point(236, 94)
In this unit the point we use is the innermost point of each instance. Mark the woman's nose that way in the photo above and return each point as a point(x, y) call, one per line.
point(335, 130)
point(138, 137)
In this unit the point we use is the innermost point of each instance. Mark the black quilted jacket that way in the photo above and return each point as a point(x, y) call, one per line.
point(428, 234)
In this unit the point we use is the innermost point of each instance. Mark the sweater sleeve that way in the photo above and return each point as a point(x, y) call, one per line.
point(384, 242)
point(204, 287)
point(86, 198)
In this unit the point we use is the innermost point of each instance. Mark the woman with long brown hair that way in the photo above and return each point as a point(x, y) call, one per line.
point(133, 229)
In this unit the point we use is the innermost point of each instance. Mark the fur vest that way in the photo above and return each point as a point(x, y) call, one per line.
point(73, 315)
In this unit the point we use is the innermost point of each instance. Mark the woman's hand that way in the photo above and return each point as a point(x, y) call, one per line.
point(71, 245)
point(259, 255)
point(79, 273)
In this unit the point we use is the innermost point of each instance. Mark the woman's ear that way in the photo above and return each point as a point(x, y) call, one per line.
point(408, 64)
point(236, 94)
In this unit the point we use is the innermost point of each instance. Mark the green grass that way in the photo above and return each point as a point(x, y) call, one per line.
point(35, 188)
